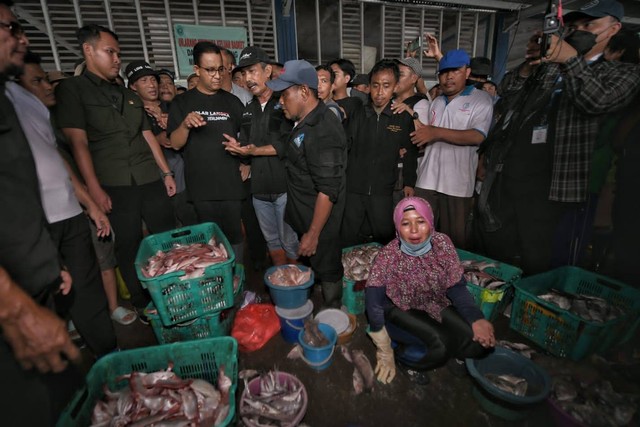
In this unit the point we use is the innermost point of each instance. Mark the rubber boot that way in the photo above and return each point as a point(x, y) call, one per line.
point(278, 257)
point(238, 249)
point(332, 294)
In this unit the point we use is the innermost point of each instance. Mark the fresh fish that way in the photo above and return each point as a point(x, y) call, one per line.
point(290, 275)
point(312, 335)
point(475, 274)
point(191, 259)
point(521, 348)
point(594, 404)
point(588, 307)
point(278, 402)
point(509, 383)
point(358, 261)
point(295, 352)
point(163, 399)
point(363, 375)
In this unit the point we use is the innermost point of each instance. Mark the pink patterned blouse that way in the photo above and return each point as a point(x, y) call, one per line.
point(420, 282)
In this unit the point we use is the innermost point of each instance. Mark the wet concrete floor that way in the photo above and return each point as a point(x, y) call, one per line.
point(446, 401)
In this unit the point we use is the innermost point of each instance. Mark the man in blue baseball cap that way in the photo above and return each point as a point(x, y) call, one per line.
point(315, 154)
point(459, 121)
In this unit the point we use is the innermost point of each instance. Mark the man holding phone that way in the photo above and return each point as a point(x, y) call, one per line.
point(540, 150)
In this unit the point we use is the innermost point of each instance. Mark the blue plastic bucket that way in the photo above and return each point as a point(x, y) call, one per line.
point(292, 320)
point(288, 296)
point(501, 403)
point(319, 358)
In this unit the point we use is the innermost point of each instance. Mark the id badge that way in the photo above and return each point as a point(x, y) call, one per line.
point(539, 135)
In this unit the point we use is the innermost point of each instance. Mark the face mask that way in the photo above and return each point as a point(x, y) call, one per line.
point(416, 249)
point(581, 41)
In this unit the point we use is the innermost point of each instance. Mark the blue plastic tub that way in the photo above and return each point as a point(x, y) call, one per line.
point(288, 296)
point(319, 358)
point(501, 403)
point(292, 320)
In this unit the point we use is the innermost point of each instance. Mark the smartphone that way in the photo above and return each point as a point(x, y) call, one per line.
point(415, 45)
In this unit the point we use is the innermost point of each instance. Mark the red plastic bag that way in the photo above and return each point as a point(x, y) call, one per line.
point(254, 326)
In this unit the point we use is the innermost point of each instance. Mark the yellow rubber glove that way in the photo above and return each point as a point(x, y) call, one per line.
point(386, 365)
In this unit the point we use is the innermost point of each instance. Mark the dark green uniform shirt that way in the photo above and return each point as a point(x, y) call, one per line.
point(114, 119)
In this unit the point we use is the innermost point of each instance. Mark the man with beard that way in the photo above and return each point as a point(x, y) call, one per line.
point(34, 345)
point(262, 125)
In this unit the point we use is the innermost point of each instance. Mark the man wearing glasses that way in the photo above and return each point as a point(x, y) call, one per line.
point(197, 121)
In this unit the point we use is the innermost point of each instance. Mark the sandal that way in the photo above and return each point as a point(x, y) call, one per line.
point(123, 316)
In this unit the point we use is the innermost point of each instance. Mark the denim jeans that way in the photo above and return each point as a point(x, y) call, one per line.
point(277, 233)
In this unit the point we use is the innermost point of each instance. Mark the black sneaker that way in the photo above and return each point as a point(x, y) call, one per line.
point(417, 377)
point(457, 367)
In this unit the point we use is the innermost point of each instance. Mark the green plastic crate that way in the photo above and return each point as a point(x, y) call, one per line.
point(192, 359)
point(565, 334)
point(492, 301)
point(353, 291)
point(178, 301)
point(217, 324)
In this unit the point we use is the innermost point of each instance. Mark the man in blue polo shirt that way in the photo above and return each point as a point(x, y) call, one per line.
point(459, 121)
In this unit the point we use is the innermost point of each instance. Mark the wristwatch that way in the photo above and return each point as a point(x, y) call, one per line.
point(415, 115)
point(166, 174)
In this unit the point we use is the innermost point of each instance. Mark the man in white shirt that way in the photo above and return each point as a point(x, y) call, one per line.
point(458, 122)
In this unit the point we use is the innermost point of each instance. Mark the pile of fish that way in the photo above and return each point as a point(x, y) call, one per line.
point(312, 335)
point(290, 275)
point(518, 347)
point(363, 376)
point(590, 308)
point(595, 404)
point(162, 398)
point(358, 262)
point(474, 273)
point(509, 383)
point(278, 402)
point(192, 259)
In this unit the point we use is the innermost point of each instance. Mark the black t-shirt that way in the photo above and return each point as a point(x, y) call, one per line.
point(211, 173)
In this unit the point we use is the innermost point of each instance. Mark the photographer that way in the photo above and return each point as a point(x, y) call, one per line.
point(539, 152)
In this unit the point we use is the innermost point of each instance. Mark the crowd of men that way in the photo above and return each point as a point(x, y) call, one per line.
point(296, 161)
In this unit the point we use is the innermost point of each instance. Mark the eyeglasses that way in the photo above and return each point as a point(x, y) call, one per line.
point(213, 71)
point(14, 27)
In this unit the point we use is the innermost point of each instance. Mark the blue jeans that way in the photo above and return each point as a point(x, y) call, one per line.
point(277, 233)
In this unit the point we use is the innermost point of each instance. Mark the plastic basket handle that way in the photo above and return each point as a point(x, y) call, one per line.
point(76, 403)
point(320, 363)
point(608, 284)
point(181, 233)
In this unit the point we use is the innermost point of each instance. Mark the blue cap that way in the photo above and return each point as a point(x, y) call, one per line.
point(454, 59)
point(296, 72)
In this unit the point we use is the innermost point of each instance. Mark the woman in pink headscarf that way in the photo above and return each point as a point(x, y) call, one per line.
point(417, 296)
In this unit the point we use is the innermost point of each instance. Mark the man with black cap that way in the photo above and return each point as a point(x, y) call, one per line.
point(459, 121)
point(118, 156)
point(539, 152)
point(360, 88)
point(263, 124)
point(480, 69)
point(145, 81)
point(315, 156)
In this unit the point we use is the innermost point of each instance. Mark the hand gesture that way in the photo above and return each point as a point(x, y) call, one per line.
point(193, 120)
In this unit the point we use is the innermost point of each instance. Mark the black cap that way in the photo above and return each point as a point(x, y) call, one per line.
point(480, 66)
point(251, 55)
point(166, 72)
point(596, 9)
point(360, 79)
point(138, 69)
